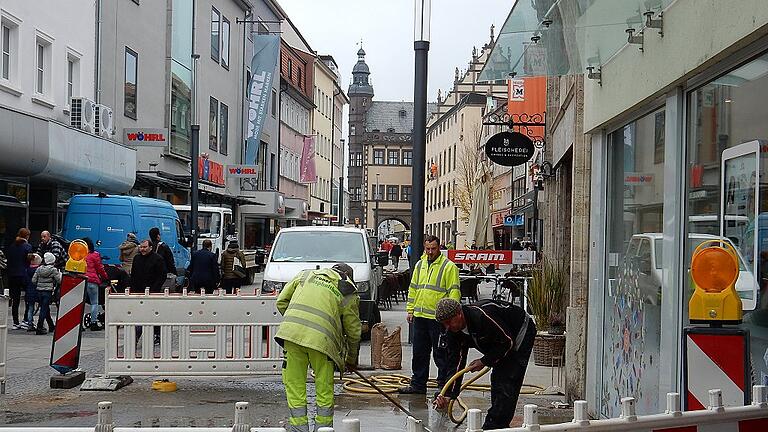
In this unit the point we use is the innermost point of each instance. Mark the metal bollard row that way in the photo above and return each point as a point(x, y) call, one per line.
point(629, 421)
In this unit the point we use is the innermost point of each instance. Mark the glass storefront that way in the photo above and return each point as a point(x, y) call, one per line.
point(727, 194)
point(632, 307)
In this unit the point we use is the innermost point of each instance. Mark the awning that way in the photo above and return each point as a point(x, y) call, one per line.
point(563, 37)
point(157, 181)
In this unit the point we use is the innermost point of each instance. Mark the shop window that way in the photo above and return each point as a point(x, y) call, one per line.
point(634, 287)
point(727, 182)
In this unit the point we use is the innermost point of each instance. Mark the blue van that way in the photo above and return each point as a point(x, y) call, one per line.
point(107, 220)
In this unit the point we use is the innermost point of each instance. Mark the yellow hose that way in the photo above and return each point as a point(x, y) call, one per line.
point(392, 382)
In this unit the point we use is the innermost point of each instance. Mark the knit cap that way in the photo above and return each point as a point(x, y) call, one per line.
point(49, 258)
point(447, 308)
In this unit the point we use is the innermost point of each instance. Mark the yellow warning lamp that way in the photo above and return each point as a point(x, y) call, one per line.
point(77, 252)
point(714, 271)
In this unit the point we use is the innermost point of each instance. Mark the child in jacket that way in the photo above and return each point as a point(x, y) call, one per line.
point(46, 278)
point(30, 294)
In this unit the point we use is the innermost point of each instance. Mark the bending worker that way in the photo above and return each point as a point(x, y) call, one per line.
point(434, 277)
point(504, 334)
point(321, 328)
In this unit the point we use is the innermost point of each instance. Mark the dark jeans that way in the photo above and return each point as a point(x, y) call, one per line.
point(17, 285)
point(44, 298)
point(426, 334)
point(229, 285)
point(506, 381)
point(199, 286)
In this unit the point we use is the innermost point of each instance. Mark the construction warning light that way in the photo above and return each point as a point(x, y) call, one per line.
point(77, 252)
point(714, 271)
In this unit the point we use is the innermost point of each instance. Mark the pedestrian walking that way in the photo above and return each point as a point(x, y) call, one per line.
point(128, 250)
point(203, 269)
point(96, 277)
point(30, 292)
point(162, 249)
point(16, 255)
point(50, 244)
point(320, 328)
point(46, 278)
point(395, 253)
point(148, 269)
point(504, 334)
point(232, 267)
point(434, 278)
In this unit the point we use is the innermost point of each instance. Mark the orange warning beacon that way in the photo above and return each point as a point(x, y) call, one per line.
point(714, 271)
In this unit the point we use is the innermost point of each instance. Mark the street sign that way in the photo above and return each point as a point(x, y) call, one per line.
point(509, 148)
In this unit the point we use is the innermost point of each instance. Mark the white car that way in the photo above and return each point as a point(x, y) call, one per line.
point(644, 253)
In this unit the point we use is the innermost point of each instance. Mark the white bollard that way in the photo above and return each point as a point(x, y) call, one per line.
point(580, 416)
point(475, 420)
point(628, 409)
point(325, 429)
point(716, 400)
point(350, 425)
point(673, 404)
point(760, 396)
point(104, 418)
point(531, 417)
point(242, 421)
point(414, 425)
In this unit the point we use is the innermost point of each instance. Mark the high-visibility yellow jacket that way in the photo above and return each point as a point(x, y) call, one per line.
point(319, 315)
point(430, 283)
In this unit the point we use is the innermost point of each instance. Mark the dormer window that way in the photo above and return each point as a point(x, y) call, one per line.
point(403, 113)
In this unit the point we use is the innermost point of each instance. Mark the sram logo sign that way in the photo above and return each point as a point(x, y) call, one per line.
point(480, 256)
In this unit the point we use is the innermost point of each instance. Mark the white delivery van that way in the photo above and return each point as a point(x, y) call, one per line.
point(314, 247)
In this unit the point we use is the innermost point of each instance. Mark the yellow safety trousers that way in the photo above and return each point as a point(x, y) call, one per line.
point(297, 360)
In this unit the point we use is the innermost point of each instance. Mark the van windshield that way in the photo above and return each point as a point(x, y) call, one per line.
point(314, 246)
point(208, 223)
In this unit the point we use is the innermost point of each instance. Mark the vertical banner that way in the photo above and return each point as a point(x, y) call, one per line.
point(308, 168)
point(266, 49)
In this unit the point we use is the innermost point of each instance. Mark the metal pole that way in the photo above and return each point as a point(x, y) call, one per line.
point(535, 224)
point(421, 51)
point(377, 197)
point(194, 155)
point(341, 198)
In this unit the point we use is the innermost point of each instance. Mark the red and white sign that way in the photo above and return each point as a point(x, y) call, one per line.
point(480, 256)
point(638, 179)
point(716, 359)
point(65, 353)
point(243, 171)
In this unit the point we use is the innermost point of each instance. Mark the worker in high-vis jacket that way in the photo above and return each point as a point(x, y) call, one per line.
point(320, 328)
point(434, 277)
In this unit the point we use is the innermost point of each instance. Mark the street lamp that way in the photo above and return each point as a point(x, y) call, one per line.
point(421, 19)
point(194, 155)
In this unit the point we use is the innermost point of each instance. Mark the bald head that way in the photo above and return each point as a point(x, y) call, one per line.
point(45, 236)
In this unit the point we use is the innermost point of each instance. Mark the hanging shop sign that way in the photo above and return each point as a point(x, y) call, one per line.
point(509, 148)
point(243, 171)
point(210, 171)
point(480, 256)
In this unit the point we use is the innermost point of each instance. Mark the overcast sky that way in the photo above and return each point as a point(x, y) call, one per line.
point(336, 27)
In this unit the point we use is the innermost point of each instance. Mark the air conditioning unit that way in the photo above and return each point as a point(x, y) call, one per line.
point(82, 114)
point(104, 121)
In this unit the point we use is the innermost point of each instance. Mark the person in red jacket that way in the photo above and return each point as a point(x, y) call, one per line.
point(96, 276)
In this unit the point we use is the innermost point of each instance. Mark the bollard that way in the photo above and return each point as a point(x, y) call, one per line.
point(350, 425)
point(628, 409)
point(531, 417)
point(104, 418)
point(716, 400)
point(242, 422)
point(760, 396)
point(325, 429)
point(580, 416)
point(474, 420)
point(414, 425)
point(673, 404)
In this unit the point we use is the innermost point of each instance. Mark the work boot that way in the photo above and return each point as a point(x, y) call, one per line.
point(411, 390)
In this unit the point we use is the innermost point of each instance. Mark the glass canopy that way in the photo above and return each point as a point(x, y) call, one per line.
point(562, 37)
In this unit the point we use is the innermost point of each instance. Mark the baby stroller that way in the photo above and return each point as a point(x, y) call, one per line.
point(118, 282)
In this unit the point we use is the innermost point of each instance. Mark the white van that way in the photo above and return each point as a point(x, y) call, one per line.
point(314, 247)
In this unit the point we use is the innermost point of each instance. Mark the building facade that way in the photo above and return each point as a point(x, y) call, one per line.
point(52, 149)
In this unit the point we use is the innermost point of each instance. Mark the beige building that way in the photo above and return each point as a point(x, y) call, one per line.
point(326, 127)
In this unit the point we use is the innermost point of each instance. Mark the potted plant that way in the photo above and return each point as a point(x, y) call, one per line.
point(546, 299)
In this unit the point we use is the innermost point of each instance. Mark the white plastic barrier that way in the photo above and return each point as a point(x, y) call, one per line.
point(104, 423)
point(3, 340)
point(715, 418)
point(200, 335)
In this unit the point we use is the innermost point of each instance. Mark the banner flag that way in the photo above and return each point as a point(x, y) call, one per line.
point(266, 49)
point(308, 169)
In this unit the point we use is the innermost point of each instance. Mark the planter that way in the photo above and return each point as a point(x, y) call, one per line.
point(548, 350)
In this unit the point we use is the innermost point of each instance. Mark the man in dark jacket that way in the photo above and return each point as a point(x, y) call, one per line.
point(203, 269)
point(148, 269)
point(50, 244)
point(504, 333)
point(395, 254)
point(163, 250)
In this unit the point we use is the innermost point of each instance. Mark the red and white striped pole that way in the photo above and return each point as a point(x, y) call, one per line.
point(65, 349)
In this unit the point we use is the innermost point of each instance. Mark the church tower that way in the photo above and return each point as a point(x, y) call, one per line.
point(360, 99)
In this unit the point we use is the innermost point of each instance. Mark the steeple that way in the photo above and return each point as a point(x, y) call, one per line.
point(360, 86)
